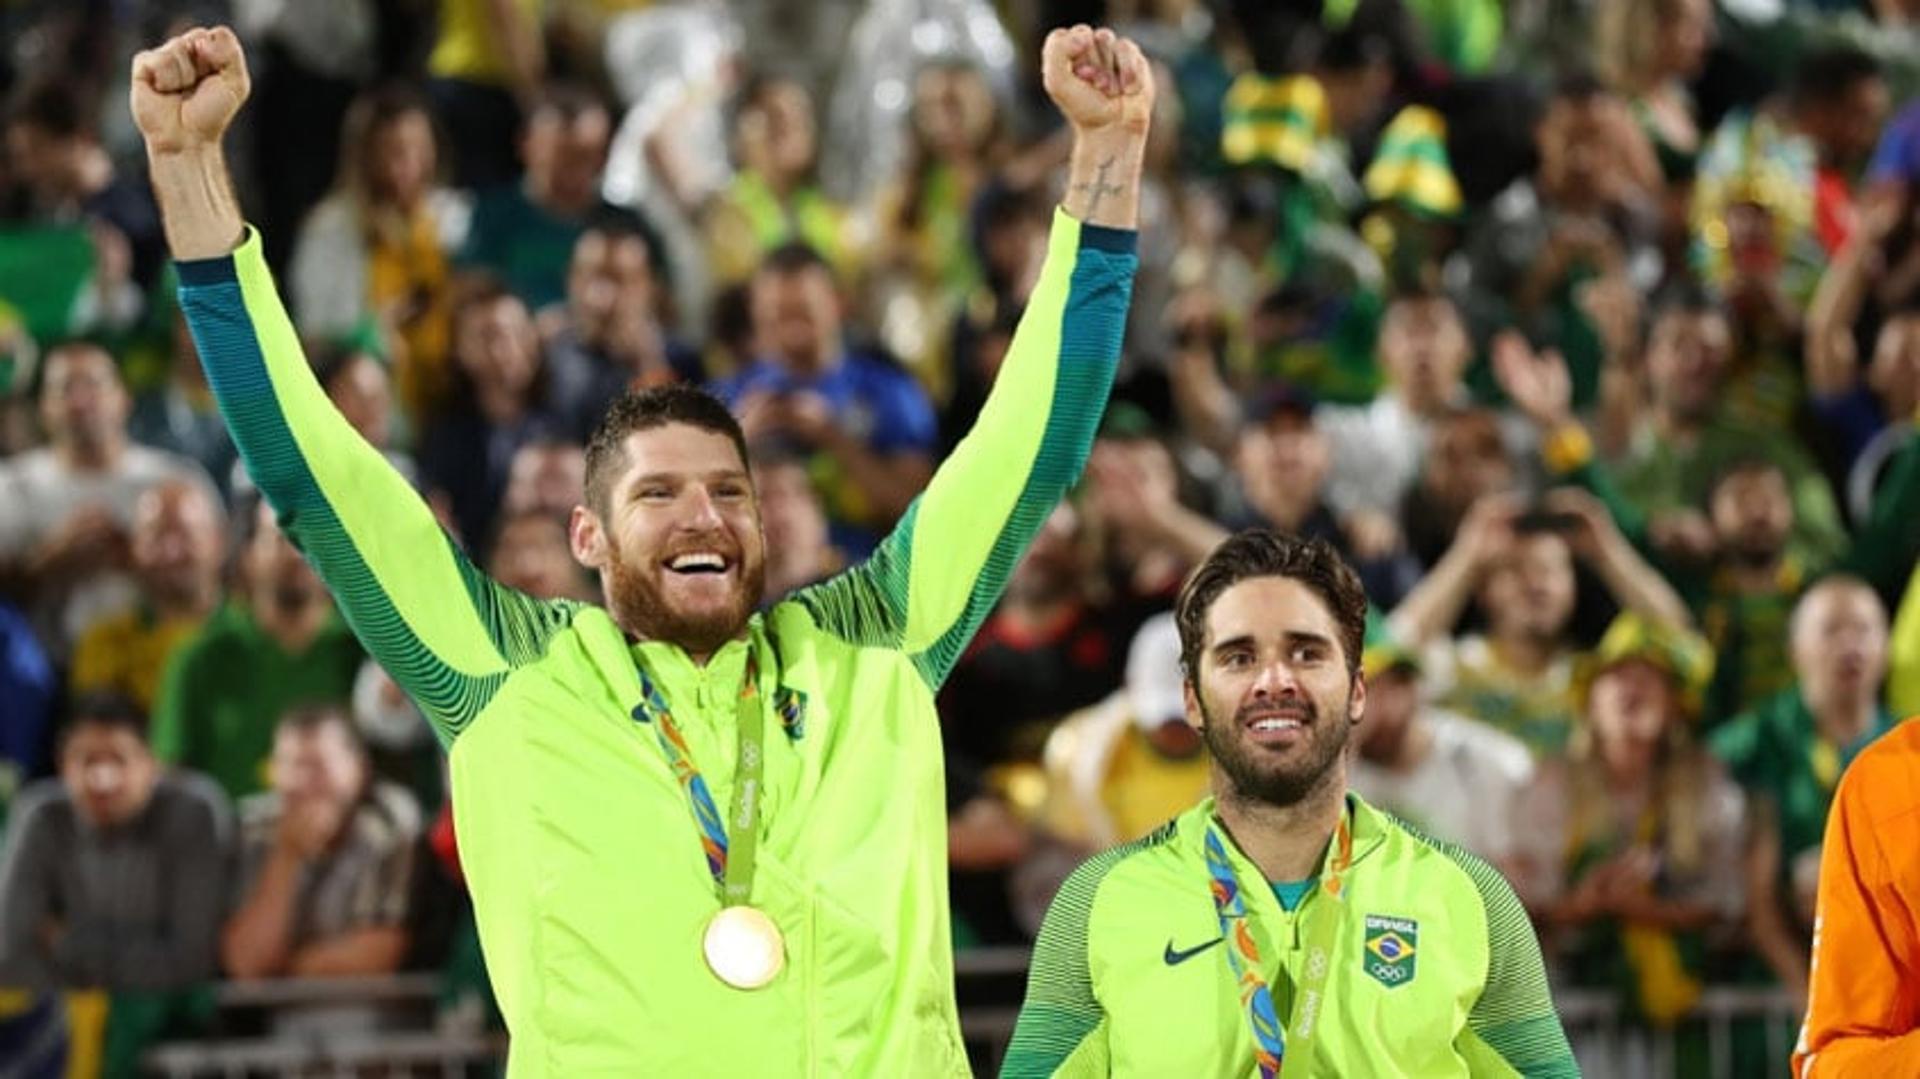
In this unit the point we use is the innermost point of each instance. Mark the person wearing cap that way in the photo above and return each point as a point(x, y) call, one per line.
point(1414, 759)
point(1861, 1014)
point(1282, 925)
point(1125, 766)
point(1630, 858)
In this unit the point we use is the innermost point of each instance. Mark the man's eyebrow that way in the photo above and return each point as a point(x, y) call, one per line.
point(1241, 640)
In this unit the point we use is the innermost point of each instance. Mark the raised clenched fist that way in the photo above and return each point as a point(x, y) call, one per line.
point(187, 91)
point(1100, 81)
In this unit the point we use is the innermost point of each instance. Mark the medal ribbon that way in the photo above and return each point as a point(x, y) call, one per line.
point(731, 863)
point(1243, 955)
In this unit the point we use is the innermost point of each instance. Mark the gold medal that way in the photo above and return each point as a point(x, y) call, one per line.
point(743, 947)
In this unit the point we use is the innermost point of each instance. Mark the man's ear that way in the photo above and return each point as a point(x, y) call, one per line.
point(587, 537)
point(1195, 718)
point(1357, 700)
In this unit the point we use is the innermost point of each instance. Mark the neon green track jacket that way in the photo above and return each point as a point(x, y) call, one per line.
point(581, 851)
point(1131, 977)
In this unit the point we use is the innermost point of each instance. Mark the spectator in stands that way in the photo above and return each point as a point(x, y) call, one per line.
point(1519, 564)
point(1009, 239)
point(1377, 448)
point(547, 476)
point(326, 860)
point(1303, 124)
point(313, 62)
point(1119, 769)
point(1467, 460)
point(68, 504)
point(1586, 212)
point(1859, 1016)
point(177, 550)
point(54, 144)
point(1630, 854)
point(1280, 461)
point(1284, 462)
point(116, 873)
point(485, 67)
point(775, 199)
point(1737, 566)
point(1414, 760)
point(1862, 409)
point(956, 141)
point(1774, 199)
point(866, 425)
point(1747, 602)
point(530, 552)
point(372, 255)
point(1056, 642)
point(28, 686)
point(280, 643)
point(499, 403)
point(1649, 51)
point(1133, 511)
point(1788, 755)
point(610, 336)
point(179, 415)
point(799, 551)
point(525, 232)
point(1683, 440)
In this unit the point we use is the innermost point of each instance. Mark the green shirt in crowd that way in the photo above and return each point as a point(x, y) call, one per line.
point(1780, 758)
point(226, 688)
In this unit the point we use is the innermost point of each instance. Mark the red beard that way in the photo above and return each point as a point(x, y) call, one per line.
point(637, 606)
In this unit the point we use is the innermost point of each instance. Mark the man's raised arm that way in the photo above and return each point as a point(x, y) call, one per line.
point(446, 633)
point(933, 580)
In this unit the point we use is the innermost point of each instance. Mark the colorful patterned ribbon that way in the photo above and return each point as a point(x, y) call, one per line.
point(734, 874)
point(1243, 952)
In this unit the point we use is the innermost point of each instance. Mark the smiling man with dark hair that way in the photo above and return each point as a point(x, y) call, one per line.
point(1353, 945)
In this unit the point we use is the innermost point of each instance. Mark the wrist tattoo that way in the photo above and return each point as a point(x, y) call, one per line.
point(1098, 188)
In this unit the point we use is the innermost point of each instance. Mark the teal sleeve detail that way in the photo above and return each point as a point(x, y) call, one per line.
point(867, 604)
point(1514, 1015)
point(1061, 1012)
point(934, 579)
point(447, 634)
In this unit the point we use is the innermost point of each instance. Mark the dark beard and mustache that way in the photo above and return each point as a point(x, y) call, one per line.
point(1753, 549)
point(1273, 782)
point(638, 607)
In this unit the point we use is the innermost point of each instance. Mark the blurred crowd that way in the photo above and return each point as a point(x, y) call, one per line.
point(1588, 331)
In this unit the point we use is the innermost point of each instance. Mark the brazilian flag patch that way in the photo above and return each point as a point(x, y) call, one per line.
point(1388, 952)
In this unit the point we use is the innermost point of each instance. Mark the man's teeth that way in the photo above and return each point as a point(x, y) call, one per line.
point(698, 562)
point(1276, 724)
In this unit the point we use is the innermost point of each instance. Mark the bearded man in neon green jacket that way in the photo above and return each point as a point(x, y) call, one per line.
point(631, 926)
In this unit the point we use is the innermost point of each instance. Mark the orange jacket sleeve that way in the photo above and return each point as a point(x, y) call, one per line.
point(1863, 1010)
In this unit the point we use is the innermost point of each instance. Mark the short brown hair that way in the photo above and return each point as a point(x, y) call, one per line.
point(644, 410)
point(1262, 552)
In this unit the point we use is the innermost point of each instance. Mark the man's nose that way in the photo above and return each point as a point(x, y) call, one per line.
point(701, 512)
point(1276, 679)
